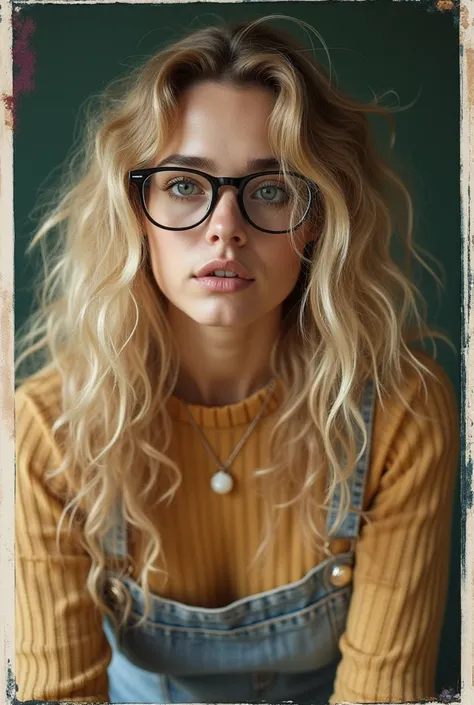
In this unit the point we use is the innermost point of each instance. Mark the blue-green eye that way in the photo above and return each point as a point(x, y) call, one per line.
point(184, 188)
point(271, 194)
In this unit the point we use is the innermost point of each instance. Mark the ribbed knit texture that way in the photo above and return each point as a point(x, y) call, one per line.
point(390, 646)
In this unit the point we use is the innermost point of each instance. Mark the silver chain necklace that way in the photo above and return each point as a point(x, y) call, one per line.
point(222, 482)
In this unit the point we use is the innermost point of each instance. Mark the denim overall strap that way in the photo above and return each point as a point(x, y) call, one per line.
point(115, 540)
point(349, 529)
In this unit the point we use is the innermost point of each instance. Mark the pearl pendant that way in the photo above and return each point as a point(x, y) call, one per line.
point(222, 482)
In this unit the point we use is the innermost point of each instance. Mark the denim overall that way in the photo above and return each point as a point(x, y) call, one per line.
point(273, 646)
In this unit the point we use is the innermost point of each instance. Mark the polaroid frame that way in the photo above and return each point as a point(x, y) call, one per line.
point(465, 12)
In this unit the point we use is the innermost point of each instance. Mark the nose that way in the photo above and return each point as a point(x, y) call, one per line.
point(226, 222)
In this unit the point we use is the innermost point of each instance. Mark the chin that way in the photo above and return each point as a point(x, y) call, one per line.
point(223, 316)
point(223, 321)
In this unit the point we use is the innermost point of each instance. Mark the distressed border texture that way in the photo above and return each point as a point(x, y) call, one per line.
point(465, 11)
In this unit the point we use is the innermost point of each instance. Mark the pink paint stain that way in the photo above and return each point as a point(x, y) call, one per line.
point(24, 63)
point(8, 103)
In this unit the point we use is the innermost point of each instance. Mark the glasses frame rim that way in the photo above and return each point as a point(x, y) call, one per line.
point(138, 177)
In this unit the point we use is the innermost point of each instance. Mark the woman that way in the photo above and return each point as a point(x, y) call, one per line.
point(234, 470)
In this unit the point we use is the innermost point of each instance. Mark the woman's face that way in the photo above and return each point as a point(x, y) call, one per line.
point(222, 130)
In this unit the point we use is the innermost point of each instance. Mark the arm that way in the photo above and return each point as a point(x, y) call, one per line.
point(390, 647)
point(61, 650)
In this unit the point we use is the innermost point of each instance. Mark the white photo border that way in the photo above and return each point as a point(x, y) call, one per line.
point(465, 8)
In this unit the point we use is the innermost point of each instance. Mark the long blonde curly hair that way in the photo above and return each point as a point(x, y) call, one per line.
point(101, 322)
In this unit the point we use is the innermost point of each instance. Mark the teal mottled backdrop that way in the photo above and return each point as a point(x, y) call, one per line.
point(66, 53)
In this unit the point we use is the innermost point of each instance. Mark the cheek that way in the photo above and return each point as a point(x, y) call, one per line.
point(158, 266)
point(165, 260)
point(283, 266)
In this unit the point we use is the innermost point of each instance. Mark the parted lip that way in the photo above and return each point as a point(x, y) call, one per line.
point(226, 265)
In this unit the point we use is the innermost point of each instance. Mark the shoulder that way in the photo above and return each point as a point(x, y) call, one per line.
point(424, 391)
point(416, 424)
point(41, 392)
point(37, 407)
point(433, 379)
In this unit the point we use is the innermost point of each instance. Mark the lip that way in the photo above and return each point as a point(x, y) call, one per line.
point(223, 285)
point(230, 265)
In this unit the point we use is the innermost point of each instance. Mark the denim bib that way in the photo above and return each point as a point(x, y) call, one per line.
point(273, 646)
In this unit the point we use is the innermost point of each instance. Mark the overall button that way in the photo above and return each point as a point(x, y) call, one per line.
point(341, 574)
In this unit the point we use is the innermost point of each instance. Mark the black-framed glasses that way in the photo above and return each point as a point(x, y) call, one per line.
point(181, 198)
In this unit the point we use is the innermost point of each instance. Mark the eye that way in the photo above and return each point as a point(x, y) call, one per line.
point(183, 189)
point(270, 193)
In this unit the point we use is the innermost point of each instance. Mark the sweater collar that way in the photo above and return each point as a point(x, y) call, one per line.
point(239, 414)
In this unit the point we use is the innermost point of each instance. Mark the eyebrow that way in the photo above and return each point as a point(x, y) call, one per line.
point(194, 162)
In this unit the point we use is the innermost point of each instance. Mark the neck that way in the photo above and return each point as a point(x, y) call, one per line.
point(222, 365)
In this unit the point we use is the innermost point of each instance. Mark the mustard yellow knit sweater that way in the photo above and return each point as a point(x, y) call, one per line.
point(390, 646)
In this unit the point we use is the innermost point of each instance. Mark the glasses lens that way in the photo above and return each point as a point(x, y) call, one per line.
point(276, 202)
point(177, 199)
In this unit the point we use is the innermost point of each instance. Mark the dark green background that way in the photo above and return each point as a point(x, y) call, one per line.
point(374, 47)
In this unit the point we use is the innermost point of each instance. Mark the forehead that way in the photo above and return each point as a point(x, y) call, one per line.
point(224, 123)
